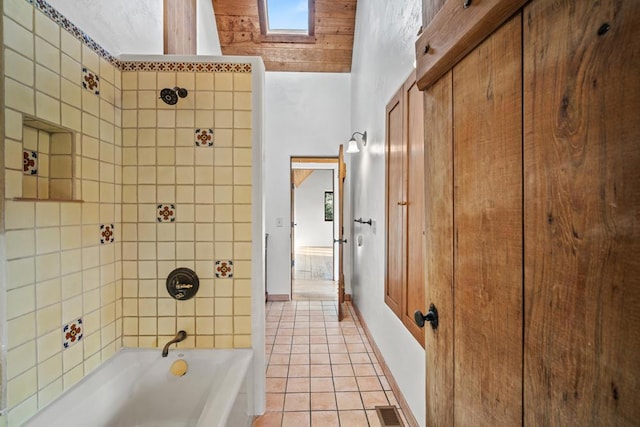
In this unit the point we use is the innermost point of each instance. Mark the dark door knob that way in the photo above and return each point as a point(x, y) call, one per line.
point(431, 317)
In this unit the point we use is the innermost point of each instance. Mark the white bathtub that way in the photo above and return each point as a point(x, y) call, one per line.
point(135, 388)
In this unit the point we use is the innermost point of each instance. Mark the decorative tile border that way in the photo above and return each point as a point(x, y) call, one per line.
point(70, 27)
point(166, 213)
point(224, 269)
point(29, 162)
point(197, 67)
point(71, 333)
point(106, 234)
point(204, 137)
point(90, 81)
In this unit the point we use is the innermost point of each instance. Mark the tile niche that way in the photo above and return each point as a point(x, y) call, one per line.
point(47, 161)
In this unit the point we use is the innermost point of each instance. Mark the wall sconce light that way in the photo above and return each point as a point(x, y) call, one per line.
point(353, 144)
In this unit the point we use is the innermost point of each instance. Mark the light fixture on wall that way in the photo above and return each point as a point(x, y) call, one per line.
point(353, 144)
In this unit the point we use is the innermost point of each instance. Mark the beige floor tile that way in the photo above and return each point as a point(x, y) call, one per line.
point(353, 418)
point(276, 385)
point(339, 358)
point(300, 359)
point(371, 399)
point(275, 402)
point(325, 419)
point(296, 402)
point(296, 419)
point(345, 384)
point(279, 359)
point(323, 402)
point(277, 371)
point(298, 385)
point(368, 383)
point(322, 384)
point(342, 370)
point(299, 371)
point(348, 400)
point(320, 359)
point(363, 370)
point(357, 358)
point(320, 371)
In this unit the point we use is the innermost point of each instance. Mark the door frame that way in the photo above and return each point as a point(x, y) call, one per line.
point(316, 163)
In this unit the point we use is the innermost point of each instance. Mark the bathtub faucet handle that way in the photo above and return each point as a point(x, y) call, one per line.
point(180, 336)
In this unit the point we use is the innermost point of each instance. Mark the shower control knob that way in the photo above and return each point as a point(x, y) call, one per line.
point(431, 317)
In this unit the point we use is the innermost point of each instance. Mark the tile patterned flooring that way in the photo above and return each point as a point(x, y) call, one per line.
point(321, 372)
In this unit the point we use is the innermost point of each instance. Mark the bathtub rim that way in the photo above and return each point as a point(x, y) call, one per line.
point(246, 354)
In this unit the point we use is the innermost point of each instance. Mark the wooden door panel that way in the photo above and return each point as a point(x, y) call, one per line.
point(414, 290)
point(438, 161)
point(582, 221)
point(487, 135)
point(396, 211)
point(342, 174)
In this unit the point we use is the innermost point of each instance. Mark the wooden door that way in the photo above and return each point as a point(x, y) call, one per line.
point(342, 174)
point(413, 291)
point(292, 226)
point(396, 205)
point(582, 212)
point(473, 118)
point(487, 138)
point(438, 166)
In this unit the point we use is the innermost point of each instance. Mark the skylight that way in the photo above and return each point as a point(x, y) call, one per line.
point(286, 17)
point(289, 16)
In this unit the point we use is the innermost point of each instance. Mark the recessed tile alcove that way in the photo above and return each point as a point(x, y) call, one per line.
point(47, 161)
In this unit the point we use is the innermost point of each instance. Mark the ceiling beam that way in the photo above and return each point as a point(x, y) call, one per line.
point(180, 27)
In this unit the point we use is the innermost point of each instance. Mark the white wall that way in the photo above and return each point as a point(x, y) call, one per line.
point(208, 41)
point(311, 228)
point(306, 114)
point(383, 58)
point(136, 27)
point(119, 26)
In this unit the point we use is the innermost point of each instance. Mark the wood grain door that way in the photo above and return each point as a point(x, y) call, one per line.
point(473, 122)
point(342, 174)
point(582, 212)
point(413, 296)
point(396, 205)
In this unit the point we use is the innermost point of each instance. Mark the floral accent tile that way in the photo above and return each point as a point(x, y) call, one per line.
point(90, 81)
point(204, 137)
point(71, 333)
point(166, 213)
point(29, 162)
point(106, 233)
point(224, 269)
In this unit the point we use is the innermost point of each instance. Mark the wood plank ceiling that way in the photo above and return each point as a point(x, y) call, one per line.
point(239, 30)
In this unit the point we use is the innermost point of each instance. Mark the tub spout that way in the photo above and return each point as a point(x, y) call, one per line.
point(180, 336)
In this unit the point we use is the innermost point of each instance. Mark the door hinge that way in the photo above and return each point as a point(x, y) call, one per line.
point(293, 263)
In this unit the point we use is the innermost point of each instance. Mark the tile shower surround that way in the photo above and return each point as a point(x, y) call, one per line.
point(72, 285)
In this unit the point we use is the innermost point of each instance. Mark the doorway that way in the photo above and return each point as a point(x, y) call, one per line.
point(314, 225)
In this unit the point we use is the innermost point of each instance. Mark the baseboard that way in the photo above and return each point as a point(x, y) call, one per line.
point(347, 298)
point(392, 382)
point(276, 297)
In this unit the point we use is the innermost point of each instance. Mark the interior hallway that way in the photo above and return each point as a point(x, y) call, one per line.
point(321, 372)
